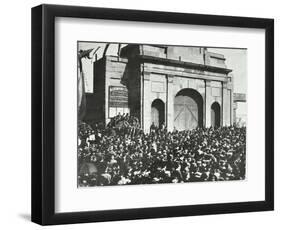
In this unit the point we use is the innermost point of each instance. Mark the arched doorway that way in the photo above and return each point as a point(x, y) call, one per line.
point(188, 110)
point(157, 112)
point(215, 115)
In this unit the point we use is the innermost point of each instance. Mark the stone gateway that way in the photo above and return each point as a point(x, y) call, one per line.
point(180, 87)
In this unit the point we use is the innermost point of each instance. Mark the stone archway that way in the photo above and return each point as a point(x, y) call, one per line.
point(215, 115)
point(188, 109)
point(157, 112)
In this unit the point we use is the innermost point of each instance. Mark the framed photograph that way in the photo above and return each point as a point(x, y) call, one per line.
point(142, 114)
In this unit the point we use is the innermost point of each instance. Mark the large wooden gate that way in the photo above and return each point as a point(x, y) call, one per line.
point(188, 109)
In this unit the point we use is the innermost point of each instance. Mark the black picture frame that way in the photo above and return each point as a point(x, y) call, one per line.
point(43, 113)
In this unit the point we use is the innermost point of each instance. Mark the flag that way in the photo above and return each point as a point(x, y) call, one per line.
point(81, 97)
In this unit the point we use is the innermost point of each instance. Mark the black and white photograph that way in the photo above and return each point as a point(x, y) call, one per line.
point(140, 114)
point(155, 114)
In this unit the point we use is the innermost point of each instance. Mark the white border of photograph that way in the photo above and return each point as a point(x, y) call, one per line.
point(68, 198)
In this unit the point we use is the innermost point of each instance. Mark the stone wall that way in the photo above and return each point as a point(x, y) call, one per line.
point(163, 82)
point(147, 81)
point(116, 71)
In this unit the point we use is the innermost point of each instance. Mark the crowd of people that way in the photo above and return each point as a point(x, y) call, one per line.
point(124, 124)
point(122, 154)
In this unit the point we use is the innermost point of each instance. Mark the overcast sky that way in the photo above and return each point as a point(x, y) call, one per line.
point(236, 59)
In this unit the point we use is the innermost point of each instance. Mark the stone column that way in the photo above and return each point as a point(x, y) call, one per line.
point(146, 101)
point(230, 88)
point(234, 112)
point(226, 101)
point(208, 98)
point(170, 103)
